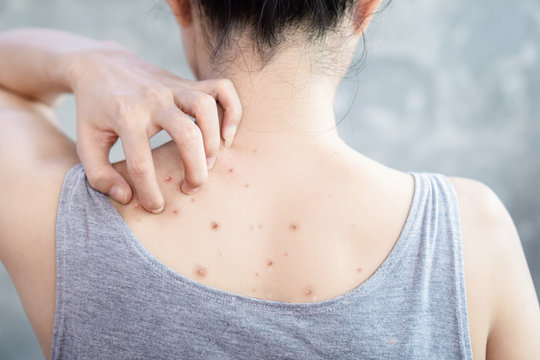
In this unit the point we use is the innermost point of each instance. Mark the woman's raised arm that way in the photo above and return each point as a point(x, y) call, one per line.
point(119, 95)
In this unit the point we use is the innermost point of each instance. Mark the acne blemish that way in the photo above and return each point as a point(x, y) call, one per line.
point(214, 225)
point(246, 185)
point(269, 263)
point(308, 292)
point(231, 170)
point(293, 226)
point(359, 270)
point(168, 178)
point(175, 212)
point(200, 271)
point(286, 254)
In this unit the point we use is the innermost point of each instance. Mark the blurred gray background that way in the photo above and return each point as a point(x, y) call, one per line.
point(447, 86)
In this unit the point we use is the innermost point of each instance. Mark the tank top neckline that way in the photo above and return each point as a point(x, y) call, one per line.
point(185, 283)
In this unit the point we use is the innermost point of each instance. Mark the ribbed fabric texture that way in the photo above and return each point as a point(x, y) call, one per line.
point(115, 300)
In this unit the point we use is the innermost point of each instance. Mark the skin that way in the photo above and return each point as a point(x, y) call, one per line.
point(253, 225)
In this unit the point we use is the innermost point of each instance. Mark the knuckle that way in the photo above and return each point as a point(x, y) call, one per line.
point(204, 103)
point(139, 168)
point(224, 84)
point(156, 95)
point(97, 179)
point(190, 134)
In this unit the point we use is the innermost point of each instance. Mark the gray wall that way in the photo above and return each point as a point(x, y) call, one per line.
point(448, 86)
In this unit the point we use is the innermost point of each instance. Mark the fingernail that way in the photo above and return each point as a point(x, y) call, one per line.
point(118, 194)
point(231, 132)
point(187, 189)
point(158, 211)
point(210, 162)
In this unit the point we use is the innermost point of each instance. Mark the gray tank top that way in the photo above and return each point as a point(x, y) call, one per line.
point(115, 300)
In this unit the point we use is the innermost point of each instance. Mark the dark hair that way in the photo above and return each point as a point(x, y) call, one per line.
point(268, 21)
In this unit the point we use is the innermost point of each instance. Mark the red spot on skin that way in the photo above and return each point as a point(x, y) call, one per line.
point(246, 185)
point(192, 199)
point(269, 263)
point(359, 270)
point(137, 205)
point(214, 225)
point(286, 254)
point(168, 178)
point(200, 271)
point(254, 150)
point(231, 170)
point(175, 212)
point(256, 274)
point(308, 292)
point(293, 227)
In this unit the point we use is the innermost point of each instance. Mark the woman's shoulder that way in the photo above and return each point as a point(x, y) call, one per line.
point(497, 278)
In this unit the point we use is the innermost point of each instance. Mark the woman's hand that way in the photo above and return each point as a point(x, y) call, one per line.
point(119, 95)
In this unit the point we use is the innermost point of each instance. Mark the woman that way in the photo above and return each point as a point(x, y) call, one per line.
point(296, 246)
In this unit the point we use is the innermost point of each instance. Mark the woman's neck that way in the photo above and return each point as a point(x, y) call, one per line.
point(285, 105)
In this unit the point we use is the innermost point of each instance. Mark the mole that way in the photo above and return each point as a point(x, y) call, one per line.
point(231, 170)
point(293, 226)
point(214, 225)
point(200, 271)
point(175, 212)
point(168, 178)
point(269, 263)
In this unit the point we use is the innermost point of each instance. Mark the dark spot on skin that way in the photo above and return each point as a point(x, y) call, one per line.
point(256, 274)
point(293, 227)
point(175, 212)
point(359, 270)
point(200, 271)
point(168, 178)
point(246, 185)
point(260, 226)
point(269, 263)
point(308, 292)
point(214, 225)
point(231, 170)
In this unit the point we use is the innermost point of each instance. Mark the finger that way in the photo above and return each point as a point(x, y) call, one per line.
point(189, 141)
point(203, 108)
point(225, 93)
point(140, 166)
point(94, 154)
